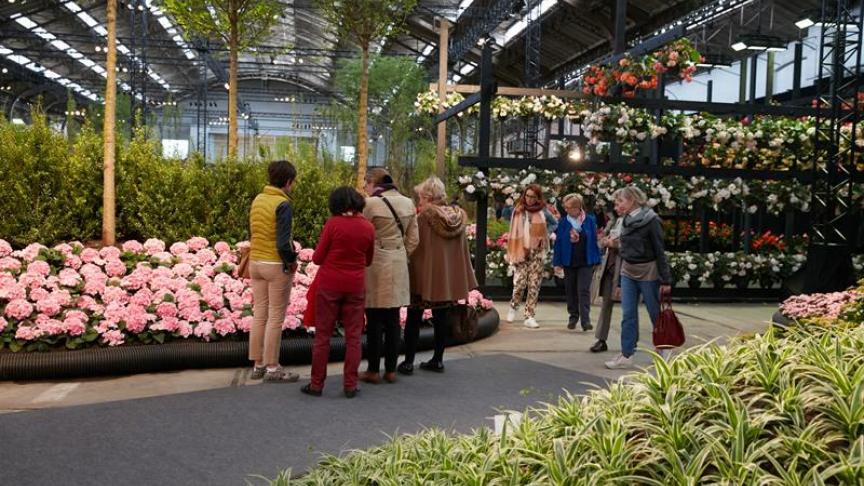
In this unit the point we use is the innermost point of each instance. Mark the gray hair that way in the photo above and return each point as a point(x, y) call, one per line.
point(574, 197)
point(631, 193)
point(432, 189)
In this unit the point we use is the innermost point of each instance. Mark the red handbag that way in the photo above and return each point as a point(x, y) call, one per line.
point(668, 333)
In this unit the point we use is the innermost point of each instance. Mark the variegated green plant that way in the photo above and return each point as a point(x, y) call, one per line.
point(770, 410)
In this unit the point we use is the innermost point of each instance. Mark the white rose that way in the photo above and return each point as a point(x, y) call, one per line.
point(470, 189)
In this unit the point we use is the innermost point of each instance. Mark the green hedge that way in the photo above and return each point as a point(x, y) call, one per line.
point(52, 189)
point(770, 410)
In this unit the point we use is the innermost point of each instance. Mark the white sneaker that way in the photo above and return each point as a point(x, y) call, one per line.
point(530, 323)
point(620, 363)
point(511, 315)
point(665, 353)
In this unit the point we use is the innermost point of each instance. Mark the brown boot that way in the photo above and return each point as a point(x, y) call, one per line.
point(370, 377)
point(390, 377)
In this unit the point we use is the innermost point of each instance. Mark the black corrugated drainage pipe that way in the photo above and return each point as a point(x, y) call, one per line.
point(126, 360)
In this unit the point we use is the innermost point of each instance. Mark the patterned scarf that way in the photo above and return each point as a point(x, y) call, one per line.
point(527, 233)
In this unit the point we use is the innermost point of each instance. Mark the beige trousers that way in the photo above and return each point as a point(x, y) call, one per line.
point(271, 290)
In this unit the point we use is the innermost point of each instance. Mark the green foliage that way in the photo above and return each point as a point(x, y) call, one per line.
point(365, 21)
point(53, 192)
point(784, 410)
point(254, 18)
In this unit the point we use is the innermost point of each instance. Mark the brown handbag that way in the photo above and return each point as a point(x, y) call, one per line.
point(463, 321)
point(243, 265)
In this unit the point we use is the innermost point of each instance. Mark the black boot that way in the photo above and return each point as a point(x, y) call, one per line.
point(599, 346)
point(571, 324)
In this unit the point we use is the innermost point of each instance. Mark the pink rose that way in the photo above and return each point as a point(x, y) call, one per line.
point(18, 309)
point(154, 246)
point(197, 243)
point(5, 248)
point(132, 246)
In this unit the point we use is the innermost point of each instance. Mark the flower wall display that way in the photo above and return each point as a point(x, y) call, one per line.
point(675, 60)
point(146, 293)
point(670, 193)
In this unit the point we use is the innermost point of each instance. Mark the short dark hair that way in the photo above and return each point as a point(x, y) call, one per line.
point(281, 172)
point(344, 199)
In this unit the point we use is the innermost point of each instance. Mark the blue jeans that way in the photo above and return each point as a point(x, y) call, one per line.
point(630, 291)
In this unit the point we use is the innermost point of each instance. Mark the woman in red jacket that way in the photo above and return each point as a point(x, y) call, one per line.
point(344, 250)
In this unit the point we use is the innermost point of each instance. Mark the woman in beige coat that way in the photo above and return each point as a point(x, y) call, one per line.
point(441, 271)
point(387, 285)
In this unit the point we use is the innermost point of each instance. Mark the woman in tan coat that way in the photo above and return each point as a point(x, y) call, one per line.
point(387, 285)
point(440, 269)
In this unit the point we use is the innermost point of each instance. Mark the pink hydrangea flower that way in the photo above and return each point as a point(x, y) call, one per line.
point(109, 253)
point(113, 337)
point(30, 253)
point(184, 329)
point(224, 327)
point(245, 324)
point(69, 278)
point(206, 256)
point(154, 246)
point(133, 246)
point(222, 247)
point(28, 333)
point(305, 255)
point(291, 322)
point(89, 255)
point(73, 262)
point(197, 243)
point(3, 323)
point(48, 307)
point(39, 267)
point(18, 309)
point(5, 248)
point(10, 264)
point(115, 268)
point(179, 248)
point(142, 297)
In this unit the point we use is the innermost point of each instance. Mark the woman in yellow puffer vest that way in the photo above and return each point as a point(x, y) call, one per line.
point(272, 265)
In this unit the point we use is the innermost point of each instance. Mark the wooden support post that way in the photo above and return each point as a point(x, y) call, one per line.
point(443, 35)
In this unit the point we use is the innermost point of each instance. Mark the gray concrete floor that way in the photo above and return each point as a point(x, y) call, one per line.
point(552, 344)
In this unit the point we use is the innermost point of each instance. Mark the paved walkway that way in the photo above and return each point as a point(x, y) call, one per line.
point(552, 344)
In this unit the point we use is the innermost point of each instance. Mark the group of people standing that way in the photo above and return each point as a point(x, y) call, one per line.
point(625, 260)
point(376, 255)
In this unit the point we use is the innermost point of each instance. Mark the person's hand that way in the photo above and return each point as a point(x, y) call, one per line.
point(665, 289)
point(604, 242)
point(616, 294)
point(574, 236)
point(558, 271)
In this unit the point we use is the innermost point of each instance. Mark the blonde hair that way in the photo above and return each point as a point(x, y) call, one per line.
point(432, 189)
point(574, 197)
point(631, 193)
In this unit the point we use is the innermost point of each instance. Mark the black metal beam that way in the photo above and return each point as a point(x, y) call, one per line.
point(620, 27)
point(487, 92)
point(469, 31)
point(455, 110)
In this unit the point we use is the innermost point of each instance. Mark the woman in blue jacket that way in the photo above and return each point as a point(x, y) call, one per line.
point(576, 255)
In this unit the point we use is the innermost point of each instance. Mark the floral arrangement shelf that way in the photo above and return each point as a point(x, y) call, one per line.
point(74, 297)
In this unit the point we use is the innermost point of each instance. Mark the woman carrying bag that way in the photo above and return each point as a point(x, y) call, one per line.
point(387, 283)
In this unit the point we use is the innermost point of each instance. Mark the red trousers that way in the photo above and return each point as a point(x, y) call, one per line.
point(347, 308)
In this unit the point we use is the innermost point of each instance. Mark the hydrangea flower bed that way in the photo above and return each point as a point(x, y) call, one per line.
point(142, 293)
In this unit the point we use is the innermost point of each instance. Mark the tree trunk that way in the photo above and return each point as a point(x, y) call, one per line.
point(362, 149)
point(232, 81)
point(108, 196)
